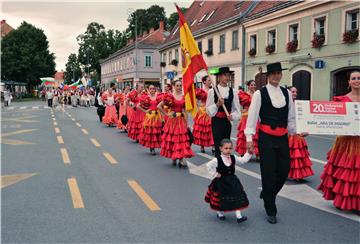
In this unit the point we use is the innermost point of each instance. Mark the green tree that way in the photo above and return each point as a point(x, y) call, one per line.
point(72, 69)
point(26, 56)
point(174, 18)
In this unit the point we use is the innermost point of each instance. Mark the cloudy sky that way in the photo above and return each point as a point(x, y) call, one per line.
point(63, 21)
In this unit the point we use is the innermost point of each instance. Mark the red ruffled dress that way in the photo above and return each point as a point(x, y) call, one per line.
point(120, 125)
point(340, 180)
point(175, 139)
point(110, 116)
point(150, 136)
point(136, 120)
point(300, 164)
point(245, 100)
point(202, 131)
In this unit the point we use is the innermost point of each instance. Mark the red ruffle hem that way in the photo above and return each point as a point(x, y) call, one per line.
point(120, 125)
point(135, 124)
point(110, 116)
point(150, 136)
point(241, 138)
point(340, 180)
point(300, 164)
point(175, 139)
point(202, 131)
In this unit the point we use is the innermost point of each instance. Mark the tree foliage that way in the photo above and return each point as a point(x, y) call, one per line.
point(72, 69)
point(26, 56)
point(174, 18)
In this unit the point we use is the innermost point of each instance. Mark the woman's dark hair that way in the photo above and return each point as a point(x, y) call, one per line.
point(225, 141)
point(289, 87)
point(349, 73)
point(249, 82)
point(204, 78)
point(176, 81)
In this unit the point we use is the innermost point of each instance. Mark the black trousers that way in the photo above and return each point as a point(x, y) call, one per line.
point(275, 165)
point(221, 128)
point(50, 101)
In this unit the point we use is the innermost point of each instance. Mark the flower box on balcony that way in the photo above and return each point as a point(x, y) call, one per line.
point(318, 40)
point(351, 36)
point(270, 49)
point(162, 64)
point(252, 52)
point(291, 47)
point(174, 62)
point(209, 52)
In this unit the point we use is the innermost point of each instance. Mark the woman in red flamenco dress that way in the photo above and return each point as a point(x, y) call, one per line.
point(150, 136)
point(300, 163)
point(175, 141)
point(340, 180)
point(202, 131)
point(245, 100)
point(110, 118)
point(122, 109)
point(137, 116)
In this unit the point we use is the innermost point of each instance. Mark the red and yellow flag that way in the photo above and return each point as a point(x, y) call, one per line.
point(192, 62)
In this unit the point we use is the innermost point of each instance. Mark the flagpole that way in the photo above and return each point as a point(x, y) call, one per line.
point(218, 94)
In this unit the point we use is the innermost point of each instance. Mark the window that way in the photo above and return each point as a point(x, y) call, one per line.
point(170, 57)
point(200, 46)
point(210, 46)
point(177, 54)
point(202, 18)
point(293, 32)
point(352, 20)
point(164, 57)
point(211, 14)
point(148, 61)
point(193, 23)
point(272, 37)
point(253, 42)
point(222, 43)
point(320, 26)
point(235, 40)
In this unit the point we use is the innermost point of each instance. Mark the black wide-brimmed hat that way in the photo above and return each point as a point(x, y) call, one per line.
point(224, 70)
point(274, 67)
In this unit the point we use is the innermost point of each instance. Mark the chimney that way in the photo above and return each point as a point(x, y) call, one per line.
point(144, 33)
point(3, 21)
point(151, 30)
point(161, 25)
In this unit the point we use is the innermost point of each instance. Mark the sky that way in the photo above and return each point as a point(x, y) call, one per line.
point(63, 21)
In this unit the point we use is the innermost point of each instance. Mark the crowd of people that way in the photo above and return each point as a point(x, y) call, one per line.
point(76, 97)
point(266, 131)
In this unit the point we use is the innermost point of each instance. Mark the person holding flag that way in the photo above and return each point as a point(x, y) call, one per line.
point(223, 107)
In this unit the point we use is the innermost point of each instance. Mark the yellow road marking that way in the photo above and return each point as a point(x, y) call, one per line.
point(57, 130)
point(15, 142)
point(26, 119)
point(149, 202)
point(78, 124)
point(7, 180)
point(55, 123)
point(75, 193)
point(95, 142)
point(60, 139)
point(110, 158)
point(65, 156)
point(85, 131)
point(17, 132)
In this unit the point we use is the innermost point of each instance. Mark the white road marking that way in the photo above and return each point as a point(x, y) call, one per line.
point(35, 107)
point(23, 107)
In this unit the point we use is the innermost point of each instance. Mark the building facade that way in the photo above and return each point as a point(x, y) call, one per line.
point(318, 41)
point(138, 61)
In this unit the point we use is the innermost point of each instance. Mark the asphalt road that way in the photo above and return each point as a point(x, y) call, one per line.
point(61, 185)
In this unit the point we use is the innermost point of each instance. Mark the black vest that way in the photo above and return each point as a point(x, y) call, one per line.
point(228, 101)
point(223, 169)
point(269, 115)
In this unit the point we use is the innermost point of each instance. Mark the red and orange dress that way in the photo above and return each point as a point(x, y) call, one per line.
point(110, 116)
point(245, 100)
point(340, 180)
point(175, 142)
point(202, 131)
point(300, 164)
point(136, 118)
point(150, 136)
point(122, 98)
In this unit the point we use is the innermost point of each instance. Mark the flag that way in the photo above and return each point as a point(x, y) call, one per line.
point(47, 81)
point(192, 62)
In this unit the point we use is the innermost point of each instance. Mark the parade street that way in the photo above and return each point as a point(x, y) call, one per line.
point(66, 177)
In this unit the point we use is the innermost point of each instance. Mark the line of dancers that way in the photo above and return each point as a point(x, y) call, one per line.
point(158, 121)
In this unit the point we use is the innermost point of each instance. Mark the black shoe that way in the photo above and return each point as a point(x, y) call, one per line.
point(242, 219)
point(221, 217)
point(271, 219)
point(261, 195)
point(174, 163)
point(203, 150)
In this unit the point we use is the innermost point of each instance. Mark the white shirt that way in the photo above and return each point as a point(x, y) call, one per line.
point(211, 108)
point(212, 165)
point(100, 101)
point(278, 101)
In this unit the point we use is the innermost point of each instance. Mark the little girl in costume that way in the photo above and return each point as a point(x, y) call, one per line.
point(225, 193)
